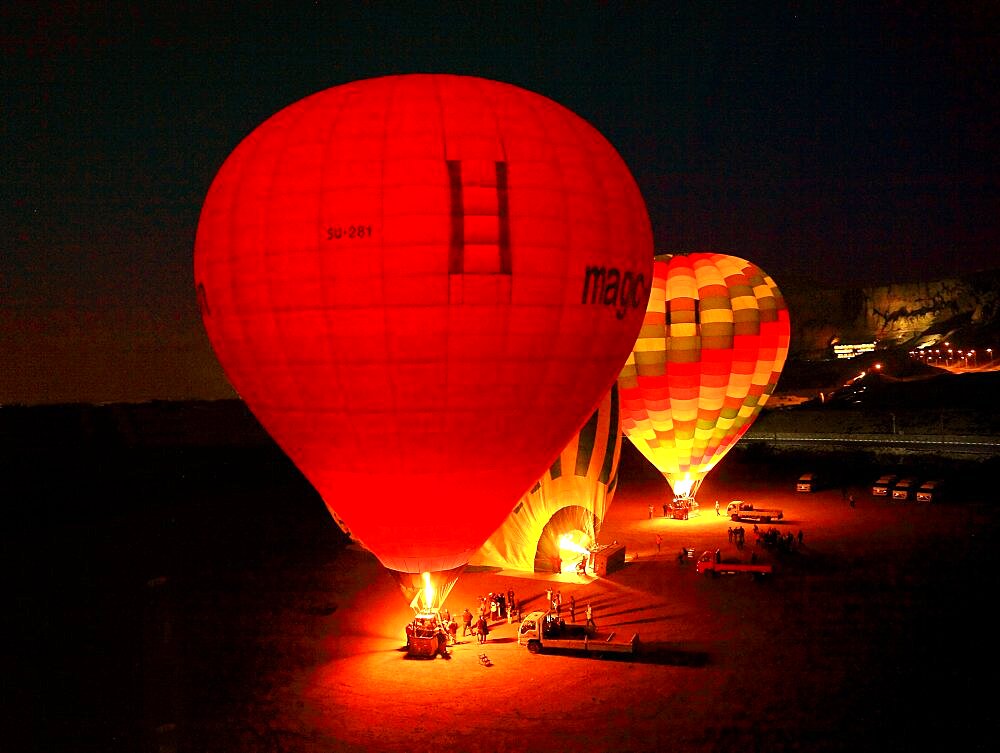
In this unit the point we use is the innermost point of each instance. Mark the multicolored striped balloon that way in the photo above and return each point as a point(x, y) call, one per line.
point(562, 513)
point(708, 356)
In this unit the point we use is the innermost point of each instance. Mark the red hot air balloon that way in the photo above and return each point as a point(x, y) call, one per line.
point(709, 355)
point(422, 286)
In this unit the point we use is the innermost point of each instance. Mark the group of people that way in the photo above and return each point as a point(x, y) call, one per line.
point(775, 539)
point(737, 536)
point(498, 606)
point(478, 626)
point(449, 626)
point(491, 606)
point(554, 601)
point(494, 607)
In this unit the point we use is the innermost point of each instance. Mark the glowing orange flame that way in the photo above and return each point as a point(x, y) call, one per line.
point(428, 590)
point(566, 543)
point(682, 487)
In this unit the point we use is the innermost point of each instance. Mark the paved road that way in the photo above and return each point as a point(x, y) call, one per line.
point(964, 445)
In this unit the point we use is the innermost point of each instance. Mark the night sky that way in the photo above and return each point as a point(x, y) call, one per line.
point(841, 143)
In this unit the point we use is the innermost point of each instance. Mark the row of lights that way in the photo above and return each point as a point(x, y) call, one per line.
point(949, 354)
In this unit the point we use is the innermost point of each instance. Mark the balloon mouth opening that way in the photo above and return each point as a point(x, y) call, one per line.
point(427, 590)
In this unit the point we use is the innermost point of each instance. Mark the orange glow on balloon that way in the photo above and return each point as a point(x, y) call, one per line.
point(422, 286)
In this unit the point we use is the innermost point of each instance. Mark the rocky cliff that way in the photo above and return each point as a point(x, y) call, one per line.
point(962, 310)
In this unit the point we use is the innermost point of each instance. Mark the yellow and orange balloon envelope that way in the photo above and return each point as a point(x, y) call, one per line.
point(422, 285)
point(709, 355)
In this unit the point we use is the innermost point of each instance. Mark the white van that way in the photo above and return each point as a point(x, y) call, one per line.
point(931, 491)
point(905, 489)
point(808, 482)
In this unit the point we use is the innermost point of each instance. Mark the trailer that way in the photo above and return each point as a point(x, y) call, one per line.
point(546, 631)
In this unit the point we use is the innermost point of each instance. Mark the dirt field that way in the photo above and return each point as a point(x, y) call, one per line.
point(872, 636)
point(254, 636)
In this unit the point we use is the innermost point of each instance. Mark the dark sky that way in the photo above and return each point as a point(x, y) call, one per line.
point(845, 143)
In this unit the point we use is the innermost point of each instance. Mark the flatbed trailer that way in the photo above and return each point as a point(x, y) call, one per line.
point(544, 631)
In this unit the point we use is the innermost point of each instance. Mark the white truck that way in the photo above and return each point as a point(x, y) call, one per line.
point(543, 631)
point(740, 510)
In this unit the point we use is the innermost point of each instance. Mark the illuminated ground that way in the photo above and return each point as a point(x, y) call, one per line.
point(868, 638)
point(223, 615)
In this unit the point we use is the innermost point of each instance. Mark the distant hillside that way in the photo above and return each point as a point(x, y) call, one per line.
point(962, 310)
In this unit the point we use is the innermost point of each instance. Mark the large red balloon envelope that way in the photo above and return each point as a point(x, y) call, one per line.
point(422, 286)
point(707, 358)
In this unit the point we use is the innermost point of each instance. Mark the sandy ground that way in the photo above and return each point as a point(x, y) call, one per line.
point(257, 636)
point(872, 636)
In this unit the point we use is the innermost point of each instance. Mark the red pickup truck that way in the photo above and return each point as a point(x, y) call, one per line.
point(710, 564)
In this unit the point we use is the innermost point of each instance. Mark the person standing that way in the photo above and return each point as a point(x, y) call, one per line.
point(466, 622)
point(442, 640)
point(590, 617)
point(800, 538)
point(548, 598)
point(482, 630)
point(664, 509)
point(650, 512)
point(659, 540)
point(572, 608)
point(716, 508)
